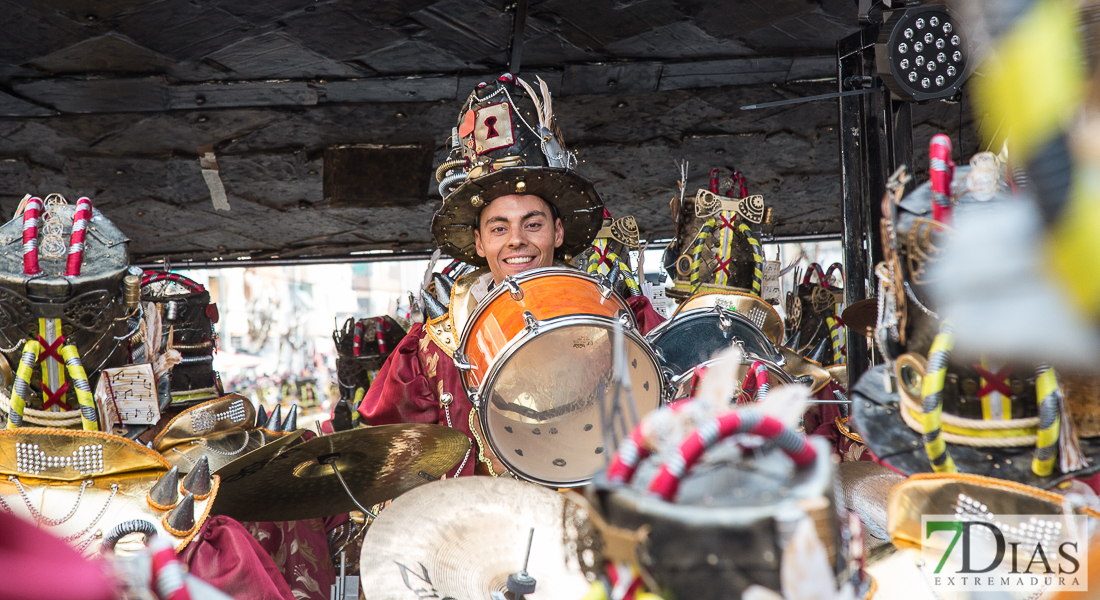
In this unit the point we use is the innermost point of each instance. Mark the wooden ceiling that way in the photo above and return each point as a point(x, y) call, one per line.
point(113, 99)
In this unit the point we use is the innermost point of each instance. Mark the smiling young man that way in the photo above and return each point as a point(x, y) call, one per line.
point(512, 203)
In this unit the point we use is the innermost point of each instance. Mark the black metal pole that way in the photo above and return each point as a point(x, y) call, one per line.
point(518, 25)
point(850, 130)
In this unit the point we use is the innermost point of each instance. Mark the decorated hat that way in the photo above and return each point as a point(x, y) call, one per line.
point(62, 275)
point(927, 410)
point(219, 431)
point(609, 253)
point(813, 324)
point(112, 488)
point(716, 248)
point(361, 348)
point(506, 142)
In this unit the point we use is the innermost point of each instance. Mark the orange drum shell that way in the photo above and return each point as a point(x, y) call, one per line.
point(545, 296)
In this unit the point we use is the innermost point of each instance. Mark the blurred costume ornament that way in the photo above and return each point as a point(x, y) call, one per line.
point(187, 323)
point(976, 499)
point(928, 409)
point(111, 487)
point(60, 305)
point(507, 142)
point(813, 315)
point(219, 431)
point(702, 517)
point(715, 247)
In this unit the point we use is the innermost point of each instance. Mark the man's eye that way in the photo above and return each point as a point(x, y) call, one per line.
point(534, 225)
point(498, 230)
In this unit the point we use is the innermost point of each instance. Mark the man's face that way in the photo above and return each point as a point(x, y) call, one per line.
point(517, 233)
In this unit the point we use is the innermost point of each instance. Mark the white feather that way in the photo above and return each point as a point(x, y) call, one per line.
point(787, 403)
point(534, 98)
point(720, 384)
point(805, 573)
point(431, 269)
point(547, 115)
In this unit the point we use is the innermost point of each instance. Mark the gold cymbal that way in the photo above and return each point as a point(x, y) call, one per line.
point(861, 316)
point(461, 538)
point(288, 481)
point(798, 365)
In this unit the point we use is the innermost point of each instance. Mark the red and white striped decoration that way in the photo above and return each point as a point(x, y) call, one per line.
point(811, 270)
point(794, 444)
point(32, 216)
point(756, 382)
point(357, 338)
point(81, 218)
point(154, 276)
point(380, 328)
point(168, 578)
point(940, 172)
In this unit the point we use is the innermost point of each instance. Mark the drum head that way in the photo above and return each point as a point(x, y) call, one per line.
point(543, 409)
point(692, 339)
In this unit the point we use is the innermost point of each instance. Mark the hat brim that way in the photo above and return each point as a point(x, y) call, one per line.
point(875, 415)
point(574, 197)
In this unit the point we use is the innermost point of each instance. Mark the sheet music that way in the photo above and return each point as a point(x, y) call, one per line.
point(128, 394)
point(771, 290)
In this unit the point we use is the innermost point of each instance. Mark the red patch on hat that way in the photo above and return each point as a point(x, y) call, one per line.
point(467, 126)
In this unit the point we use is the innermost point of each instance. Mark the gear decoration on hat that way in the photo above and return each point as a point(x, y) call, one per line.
point(927, 410)
point(59, 301)
point(507, 142)
point(716, 247)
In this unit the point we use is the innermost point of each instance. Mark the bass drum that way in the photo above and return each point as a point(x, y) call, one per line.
point(536, 359)
point(695, 335)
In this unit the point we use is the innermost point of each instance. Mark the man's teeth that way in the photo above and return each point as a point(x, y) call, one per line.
point(519, 260)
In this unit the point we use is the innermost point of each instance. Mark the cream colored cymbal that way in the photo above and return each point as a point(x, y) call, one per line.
point(461, 538)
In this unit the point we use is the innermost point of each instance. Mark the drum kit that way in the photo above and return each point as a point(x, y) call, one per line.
point(548, 359)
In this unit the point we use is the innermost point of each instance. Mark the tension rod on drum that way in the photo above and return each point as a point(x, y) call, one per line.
point(331, 461)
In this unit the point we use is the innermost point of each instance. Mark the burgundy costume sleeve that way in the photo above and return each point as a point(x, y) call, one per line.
point(409, 385)
point(401, 393)
point(644, 314)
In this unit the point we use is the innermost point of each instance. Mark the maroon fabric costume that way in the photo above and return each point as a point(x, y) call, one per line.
point(408, 386)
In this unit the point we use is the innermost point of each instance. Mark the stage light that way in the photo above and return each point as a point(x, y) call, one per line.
point(921, 53)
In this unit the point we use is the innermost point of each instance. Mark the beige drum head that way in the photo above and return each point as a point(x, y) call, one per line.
point(542, 409)
point(461, 538)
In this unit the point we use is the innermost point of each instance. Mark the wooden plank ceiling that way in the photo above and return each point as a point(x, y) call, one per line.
point(112, 99)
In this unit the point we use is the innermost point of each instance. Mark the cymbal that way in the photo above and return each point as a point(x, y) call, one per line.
point(461, 538)
point(290, 482)
point(861, 316)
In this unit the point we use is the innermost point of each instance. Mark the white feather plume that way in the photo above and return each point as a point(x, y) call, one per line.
point(542, 101)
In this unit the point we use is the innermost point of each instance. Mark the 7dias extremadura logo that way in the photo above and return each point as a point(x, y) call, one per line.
point(1005, 552)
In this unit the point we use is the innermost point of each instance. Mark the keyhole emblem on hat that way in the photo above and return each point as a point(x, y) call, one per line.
point(493, 128)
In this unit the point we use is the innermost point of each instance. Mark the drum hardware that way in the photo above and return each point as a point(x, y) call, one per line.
point(462, 364)
point(521, 584)
point(531, 321)
point(346, 586)
point(513, 288)
point(606, 286)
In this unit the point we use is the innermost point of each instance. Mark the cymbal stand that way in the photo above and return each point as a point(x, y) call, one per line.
point(339, 590)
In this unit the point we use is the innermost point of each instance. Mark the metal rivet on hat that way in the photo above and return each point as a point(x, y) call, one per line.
point(521, 186)
point(476, 201)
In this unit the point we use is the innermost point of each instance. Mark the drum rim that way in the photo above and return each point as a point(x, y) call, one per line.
point(501, 289)
point(509, 349)
point(654, 336)
point(677, 380)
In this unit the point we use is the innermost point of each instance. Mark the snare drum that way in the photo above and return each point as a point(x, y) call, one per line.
point(536, 360)
point(693, 336)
